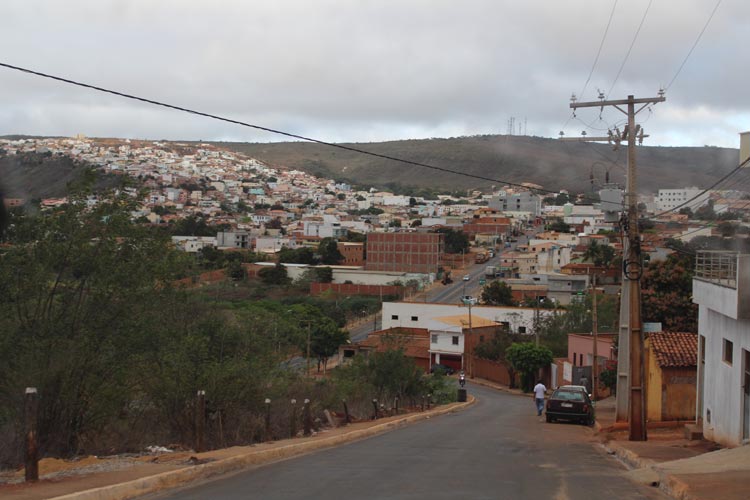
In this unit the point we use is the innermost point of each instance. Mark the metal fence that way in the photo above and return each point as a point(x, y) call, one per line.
point(717, 267)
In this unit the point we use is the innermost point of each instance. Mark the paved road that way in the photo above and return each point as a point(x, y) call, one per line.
point(497, 449)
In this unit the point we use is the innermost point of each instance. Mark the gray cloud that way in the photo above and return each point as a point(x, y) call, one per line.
point(368, 70)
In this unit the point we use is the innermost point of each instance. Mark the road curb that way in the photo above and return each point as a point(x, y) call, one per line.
point(182, 477)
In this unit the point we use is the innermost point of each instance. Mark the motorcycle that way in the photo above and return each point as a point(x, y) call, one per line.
point(462, 380)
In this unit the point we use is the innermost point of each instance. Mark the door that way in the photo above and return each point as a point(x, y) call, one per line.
point(745, 395)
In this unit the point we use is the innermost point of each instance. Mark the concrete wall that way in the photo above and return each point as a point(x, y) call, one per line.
point(424, 312)
point(722, 383)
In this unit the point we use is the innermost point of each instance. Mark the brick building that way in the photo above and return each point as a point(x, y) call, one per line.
point(354, 253)
point(404, 252)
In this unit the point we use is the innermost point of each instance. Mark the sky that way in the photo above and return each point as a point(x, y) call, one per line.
point(365, 71)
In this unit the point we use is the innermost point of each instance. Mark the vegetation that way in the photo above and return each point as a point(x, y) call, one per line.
point(667, 287)
point(91, 317)
point(498, 293)
point(456, 241)
point(528, 358)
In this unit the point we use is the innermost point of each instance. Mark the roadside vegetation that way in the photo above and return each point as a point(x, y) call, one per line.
point(92, 315)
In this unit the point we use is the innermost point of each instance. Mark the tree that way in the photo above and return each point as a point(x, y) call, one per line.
point(558, 225)
point(302, 255)
point(328, 249)
point(276, 275)
point(498, 293)
point(456, 241)
point(599, 255)
point(667, 288)
point(528, 358)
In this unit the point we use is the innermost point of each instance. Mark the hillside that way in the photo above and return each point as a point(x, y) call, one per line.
point(548, 162)
point(35, 176)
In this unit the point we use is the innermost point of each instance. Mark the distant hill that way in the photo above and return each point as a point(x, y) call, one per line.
point(42, 175)
point(548, 162)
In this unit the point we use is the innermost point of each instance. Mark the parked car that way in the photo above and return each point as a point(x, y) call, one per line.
point(442, 368)
point(570, 404)
point(468, 299)
point(467, 277)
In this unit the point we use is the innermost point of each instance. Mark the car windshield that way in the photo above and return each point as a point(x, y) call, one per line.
point(568, 395)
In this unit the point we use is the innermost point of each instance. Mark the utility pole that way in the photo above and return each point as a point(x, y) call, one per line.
point(631, 369)
point(595, 334)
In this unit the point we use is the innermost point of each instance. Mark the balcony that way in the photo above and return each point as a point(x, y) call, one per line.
point(722, 283)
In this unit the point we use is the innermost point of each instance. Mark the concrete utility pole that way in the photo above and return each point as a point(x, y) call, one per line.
point(595, 334)
point(631, 393)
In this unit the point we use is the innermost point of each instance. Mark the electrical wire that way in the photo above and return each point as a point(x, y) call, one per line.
point(698, 39)
point(598, 52)
point(265, 129)
point(725, 177)
point(627, 55)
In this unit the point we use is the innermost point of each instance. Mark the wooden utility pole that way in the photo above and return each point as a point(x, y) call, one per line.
point(631, 338)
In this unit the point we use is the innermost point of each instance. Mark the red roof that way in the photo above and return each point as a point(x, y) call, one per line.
point(674, 349)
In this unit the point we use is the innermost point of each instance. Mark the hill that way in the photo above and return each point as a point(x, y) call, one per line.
point(548, 162)
point(43, 175)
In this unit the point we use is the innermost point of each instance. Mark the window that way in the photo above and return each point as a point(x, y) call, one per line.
point(521, 329)
point(574, 359)
point(481, 338)
point(727, 351)
point(580, 359)
point(455, 340)
point(415, 318)
point(394, 316)
point(434, 338)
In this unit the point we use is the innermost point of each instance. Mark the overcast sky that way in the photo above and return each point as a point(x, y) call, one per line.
point(371, 70)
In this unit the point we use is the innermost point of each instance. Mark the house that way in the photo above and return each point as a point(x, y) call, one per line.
point(721, 288)
point(413, 341)
point(671, 359)
point(452, 339)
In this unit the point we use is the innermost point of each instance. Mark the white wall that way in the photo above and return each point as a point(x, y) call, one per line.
point(445, 342)
point(722, 383)
point(424, 312)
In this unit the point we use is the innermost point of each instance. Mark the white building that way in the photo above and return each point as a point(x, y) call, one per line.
point(421, 315)
point(522, 201)
point(667, 199)
point(721, 288)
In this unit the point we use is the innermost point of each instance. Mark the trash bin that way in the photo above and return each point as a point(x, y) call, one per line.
point(462, 395)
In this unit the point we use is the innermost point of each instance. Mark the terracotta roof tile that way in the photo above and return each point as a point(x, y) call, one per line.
point(674, 349)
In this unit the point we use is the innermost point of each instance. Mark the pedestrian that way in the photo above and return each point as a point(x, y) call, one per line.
point(585, 382)
point(539, 390)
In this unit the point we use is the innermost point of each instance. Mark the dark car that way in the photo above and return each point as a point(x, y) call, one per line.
point(570, 404)
point(438, 368)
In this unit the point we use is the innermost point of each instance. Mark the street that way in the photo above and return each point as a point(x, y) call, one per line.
point(496, 449)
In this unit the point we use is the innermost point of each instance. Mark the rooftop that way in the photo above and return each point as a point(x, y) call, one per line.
point(675, 349)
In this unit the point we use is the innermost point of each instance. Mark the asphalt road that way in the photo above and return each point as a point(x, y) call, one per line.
point(496, 449)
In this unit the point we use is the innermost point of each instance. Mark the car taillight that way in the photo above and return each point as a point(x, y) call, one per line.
point(585, 407)
point(549, 405)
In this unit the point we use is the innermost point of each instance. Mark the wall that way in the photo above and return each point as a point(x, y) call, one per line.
point(722, 393)
point(515, 316)
point(354, 289)
point(406, 252)
point(492, 370)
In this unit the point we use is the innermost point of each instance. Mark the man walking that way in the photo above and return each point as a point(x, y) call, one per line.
point(539, 391)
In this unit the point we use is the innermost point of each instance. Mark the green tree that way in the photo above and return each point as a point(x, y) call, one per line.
point(667, 287)
point(328, 250)
point(78, 288)
point(558, 225)
point(302, 255)
point(498, 293)
point(528, 358)
point(456, 241)
point(276, 275)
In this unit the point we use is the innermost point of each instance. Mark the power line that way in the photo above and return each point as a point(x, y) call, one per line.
point(627, 55)
point(716, 7)
point(729, 174)
point(598, 52)
point(265, 129)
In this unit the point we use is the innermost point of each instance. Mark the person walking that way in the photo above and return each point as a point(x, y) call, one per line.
point(539, 391)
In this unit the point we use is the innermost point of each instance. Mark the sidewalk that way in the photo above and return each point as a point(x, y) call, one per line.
point(684, 469)
point(133, 476)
